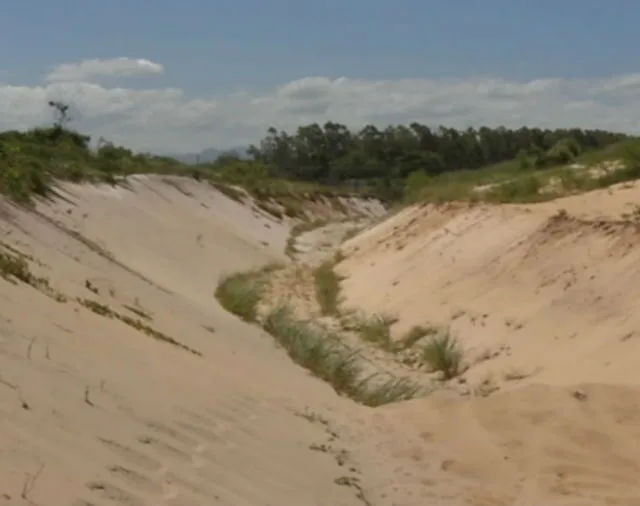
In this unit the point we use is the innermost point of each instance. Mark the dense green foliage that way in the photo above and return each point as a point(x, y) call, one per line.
point(31, 160)
point(393, 163)
point(332, 153)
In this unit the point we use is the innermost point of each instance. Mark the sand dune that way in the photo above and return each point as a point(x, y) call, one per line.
point(543, 299)
point(194, 407)
point(535, 445)
point(95, 412)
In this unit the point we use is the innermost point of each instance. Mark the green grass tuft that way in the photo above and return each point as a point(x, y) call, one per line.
point(443, 353)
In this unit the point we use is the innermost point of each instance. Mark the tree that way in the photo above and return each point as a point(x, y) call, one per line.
point(331, 153)
point(61, 114)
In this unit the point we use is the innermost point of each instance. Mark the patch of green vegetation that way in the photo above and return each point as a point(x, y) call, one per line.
point(297, 230)
point(328, 358)
point(400, 163)
point(351, 233)
point(415, 334)
point(89, 286)
point(241, 293)
point(270, 208)
point(229, 191)
point(105, 311)
point(138, 312)
point(327, 284)
point(14, 268)
point(316, 349)
point(443, 353)
point(374, 329)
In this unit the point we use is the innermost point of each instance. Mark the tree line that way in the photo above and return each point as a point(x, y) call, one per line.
point(332, 153)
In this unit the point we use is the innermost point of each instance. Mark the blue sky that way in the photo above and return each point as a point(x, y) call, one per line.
point(211, 49)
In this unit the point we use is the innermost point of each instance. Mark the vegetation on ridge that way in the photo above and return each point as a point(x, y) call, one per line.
point(394, 163)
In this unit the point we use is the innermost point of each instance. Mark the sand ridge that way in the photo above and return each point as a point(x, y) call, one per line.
point(543, 299)
point(539, 282)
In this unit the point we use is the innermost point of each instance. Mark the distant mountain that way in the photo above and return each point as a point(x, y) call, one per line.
point(209, 155)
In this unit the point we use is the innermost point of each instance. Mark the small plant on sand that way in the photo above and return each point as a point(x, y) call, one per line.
point(443, 353)
point(327, 288)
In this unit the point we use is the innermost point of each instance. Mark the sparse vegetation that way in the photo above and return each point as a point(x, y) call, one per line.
point(314, 348)
point(89, 286)
point(374, 329)
point(229, 191)
point(105, 311)
point(327, 357)
point(351, 233)
point(297, 230)
point(139, 312)
point(415, 334)
point(327, 284)
point(14, 268)
point(443, 353)
point(241, 293)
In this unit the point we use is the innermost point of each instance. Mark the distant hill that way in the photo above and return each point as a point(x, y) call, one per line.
point(208, 155)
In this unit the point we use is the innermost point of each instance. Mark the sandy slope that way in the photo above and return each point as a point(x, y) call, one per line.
point(102, 414)
point(545, 305)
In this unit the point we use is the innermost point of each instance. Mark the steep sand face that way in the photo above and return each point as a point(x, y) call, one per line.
point(550, 293)
point(543, 298)
point(95, 412)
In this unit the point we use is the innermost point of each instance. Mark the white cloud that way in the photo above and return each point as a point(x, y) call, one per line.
point(114, 67)
point(167, 119)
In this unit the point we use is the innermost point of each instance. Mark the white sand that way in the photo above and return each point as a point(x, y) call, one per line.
point(164, 426)
point(544, 308)
point(104, 414)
